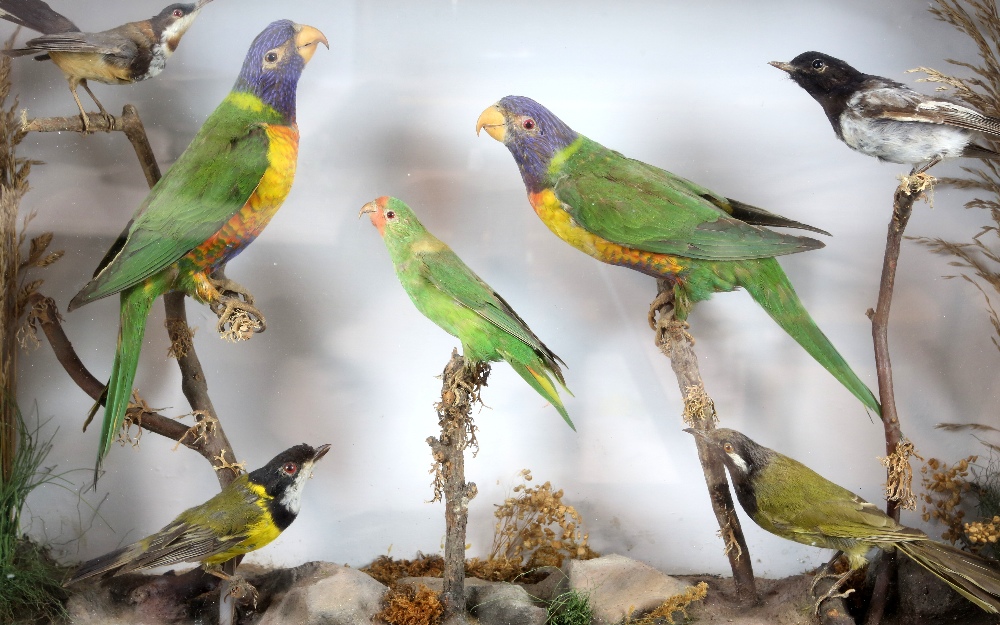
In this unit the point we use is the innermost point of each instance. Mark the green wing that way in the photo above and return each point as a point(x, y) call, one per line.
point(634, 204)
point(445, 271)
point(205, 188)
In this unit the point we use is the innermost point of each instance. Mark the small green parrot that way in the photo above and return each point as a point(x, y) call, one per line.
point(451, 295)
point(625, 212)
point(213, 202)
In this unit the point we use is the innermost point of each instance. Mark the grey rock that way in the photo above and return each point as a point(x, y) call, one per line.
point(498, 603)
point(331, 595)
point(491, 603)
point(618, 586)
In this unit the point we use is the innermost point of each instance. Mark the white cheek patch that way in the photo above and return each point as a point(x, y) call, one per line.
point(292, 498)
point(739, 462)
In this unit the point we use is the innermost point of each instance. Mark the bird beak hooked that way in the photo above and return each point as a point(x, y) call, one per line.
point(306, 40)
point(370, 207)
point(494, 122)
point(785, 67)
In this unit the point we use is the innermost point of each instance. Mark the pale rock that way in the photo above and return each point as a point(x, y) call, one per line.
point(618, 586)
point(344, 596)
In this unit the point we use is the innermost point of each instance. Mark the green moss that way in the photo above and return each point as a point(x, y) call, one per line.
point(570, 608)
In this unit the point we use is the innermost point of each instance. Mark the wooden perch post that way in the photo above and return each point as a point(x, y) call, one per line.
point(699, 413)
point(906, 194)
point(460, 386)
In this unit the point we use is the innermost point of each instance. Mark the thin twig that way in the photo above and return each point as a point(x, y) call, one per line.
point(129, 123)
point(902, 207)
point(699, 412)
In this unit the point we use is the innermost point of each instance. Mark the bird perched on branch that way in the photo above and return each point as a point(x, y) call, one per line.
point(888, 120)
point(451, 295)
point(790, 500)
point(122, 55)
point(213, 202)
point(625, 212)
point(248, 514)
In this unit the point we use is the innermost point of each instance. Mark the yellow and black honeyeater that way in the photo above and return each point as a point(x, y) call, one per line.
point(249, 513)
point(789, 499)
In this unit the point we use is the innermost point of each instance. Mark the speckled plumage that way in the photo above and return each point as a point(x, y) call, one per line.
point(625, 212)
point(212, 203)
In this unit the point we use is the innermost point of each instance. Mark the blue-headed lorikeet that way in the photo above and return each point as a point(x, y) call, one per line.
point(212, 203)
point(625, 212)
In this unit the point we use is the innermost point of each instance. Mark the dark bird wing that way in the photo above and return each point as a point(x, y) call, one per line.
point(181, 543)
point(901, 104)
point(97, 43)
point(758, 216)
point(36, 15)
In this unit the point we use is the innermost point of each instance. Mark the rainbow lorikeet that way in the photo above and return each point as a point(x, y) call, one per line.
point(451, 295)
point(209, 206)
point(625, 212)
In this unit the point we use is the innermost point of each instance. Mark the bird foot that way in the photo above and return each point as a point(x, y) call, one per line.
point(832, 592)
point(231, 288)
point(663, 300)
point(238, 319)
point(239, 588)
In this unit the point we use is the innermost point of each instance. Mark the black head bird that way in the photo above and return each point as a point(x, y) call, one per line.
point(888, 120)
point(789, 499)
point(122, 55)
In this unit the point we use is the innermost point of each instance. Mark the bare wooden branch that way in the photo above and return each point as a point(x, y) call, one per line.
point(195, 386)
point(833, 611)
point(902, 207)
point(699, 412)
point(129, 123)
point(461, 382)
point(46, 315)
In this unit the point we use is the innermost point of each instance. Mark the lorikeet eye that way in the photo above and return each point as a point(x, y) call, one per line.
point(528, 124)
point(390, 214)
point(818, 64)
point(290, 468)
point(728, 448)
point(178, 13)
point(271, 57)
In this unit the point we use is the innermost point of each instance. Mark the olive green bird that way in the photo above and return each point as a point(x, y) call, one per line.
point(451, 295)
point(209, 206)
point(790, 500)
point(624, 212)
point(248, 514)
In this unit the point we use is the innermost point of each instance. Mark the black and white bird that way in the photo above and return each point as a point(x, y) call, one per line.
point(888, 120)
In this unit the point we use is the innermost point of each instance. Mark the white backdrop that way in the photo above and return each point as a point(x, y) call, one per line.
point(346, 359)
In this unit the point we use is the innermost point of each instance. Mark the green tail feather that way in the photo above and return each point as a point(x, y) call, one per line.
point(135, 305)
point(539, 380)
point(971, 576)
point(765, 281)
